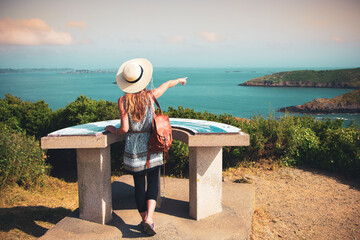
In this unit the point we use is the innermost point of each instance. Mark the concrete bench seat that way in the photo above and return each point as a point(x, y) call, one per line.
point(204, 138)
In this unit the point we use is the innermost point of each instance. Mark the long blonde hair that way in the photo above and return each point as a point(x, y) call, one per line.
point(135, 104)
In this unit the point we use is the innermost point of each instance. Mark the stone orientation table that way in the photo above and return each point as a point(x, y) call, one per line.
point(204, 138)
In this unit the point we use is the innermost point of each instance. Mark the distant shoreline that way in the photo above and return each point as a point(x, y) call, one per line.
point(294, 109)
point(88, 71)
point(61, 70)
point(33, 70)
point(284, 86)
point(341, 78)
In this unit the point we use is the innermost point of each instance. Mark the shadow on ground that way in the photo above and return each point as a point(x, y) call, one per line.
point(123, 199)
point(347, 180)
point(24, 218)
point(172, 218)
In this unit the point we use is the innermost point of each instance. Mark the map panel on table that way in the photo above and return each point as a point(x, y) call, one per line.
point(193, 125)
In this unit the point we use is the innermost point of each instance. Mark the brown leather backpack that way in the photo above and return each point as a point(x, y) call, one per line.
point(161, 134)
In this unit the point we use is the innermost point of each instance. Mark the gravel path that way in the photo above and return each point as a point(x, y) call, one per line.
point(302, 204)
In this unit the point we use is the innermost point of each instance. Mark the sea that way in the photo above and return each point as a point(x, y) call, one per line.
point(214, 90)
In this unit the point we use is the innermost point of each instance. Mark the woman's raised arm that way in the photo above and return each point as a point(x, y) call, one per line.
point(169, 84)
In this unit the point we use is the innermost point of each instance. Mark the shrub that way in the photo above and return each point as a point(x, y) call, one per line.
point(303, 140)
point(340, 151)
point(21, 159)
point(117, 156)
point(25, 115)
point(178, 163)
point(182, 112)
point(84, 110)
point(290, 140)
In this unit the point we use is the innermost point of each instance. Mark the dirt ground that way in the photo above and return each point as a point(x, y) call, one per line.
point(301, 204)
point(289, 204)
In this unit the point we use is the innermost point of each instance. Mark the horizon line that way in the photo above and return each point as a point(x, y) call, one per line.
point(221, 67)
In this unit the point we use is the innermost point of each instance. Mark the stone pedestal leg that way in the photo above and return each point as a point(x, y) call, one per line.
point(205, 179)
point(94, 181)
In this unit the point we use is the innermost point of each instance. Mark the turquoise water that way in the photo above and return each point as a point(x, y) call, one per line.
point(213, 90)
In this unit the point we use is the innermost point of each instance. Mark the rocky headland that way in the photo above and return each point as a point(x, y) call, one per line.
point(342, 78)
point(346, 103)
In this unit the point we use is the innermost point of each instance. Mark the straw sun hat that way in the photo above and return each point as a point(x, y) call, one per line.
point(134, 75)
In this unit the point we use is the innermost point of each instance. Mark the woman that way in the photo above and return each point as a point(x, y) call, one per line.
point(137, 111)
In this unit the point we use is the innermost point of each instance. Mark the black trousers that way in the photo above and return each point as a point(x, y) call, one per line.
point(143, 194)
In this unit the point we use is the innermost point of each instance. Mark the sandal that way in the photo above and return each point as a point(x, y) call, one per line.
point(149, 229)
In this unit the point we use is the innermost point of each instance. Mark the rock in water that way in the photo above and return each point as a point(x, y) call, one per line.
point(346, 103)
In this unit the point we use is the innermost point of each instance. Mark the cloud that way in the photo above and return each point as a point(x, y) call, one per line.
point(85, 40)
point(319, 24)
point(175, 39)
point(338, 39)
point(31, 32)
point(209, 36)
point(79, 24)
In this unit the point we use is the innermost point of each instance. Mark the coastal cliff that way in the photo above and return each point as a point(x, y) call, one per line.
point(342, 78)
point(346, 103)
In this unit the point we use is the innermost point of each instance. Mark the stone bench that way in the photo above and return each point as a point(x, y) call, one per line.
point(204, 138)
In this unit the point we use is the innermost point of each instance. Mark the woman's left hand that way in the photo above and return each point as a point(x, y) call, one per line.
point(110, 128)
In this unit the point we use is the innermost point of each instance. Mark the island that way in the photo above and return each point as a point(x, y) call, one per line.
point(33, 70)
point(61, 70)
point(82, 71)
point(340, 78)
point(346, 103)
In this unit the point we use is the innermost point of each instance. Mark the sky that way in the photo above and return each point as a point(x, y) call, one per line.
point(227, 33)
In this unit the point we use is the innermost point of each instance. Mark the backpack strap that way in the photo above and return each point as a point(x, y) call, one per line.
point(148, 159)
point(149, 153)
point(154, 98)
